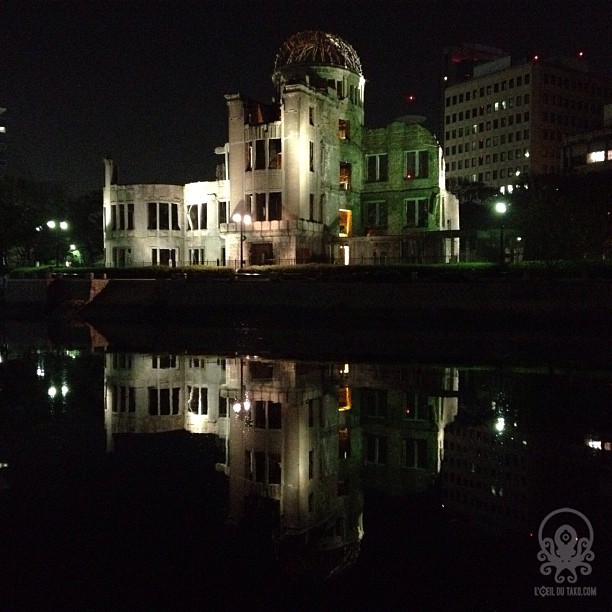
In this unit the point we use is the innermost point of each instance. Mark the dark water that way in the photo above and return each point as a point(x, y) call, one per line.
point(128, 481)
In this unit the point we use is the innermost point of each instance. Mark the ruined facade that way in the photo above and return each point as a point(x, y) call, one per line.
point(308, 180)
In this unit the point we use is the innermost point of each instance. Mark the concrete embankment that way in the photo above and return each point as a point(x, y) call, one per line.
point(305, 303)
point(58, 297)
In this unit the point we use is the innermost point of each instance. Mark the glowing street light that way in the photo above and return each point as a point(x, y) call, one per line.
point(501, 208)
point(242, 220)
point(57, 226)
point(242, 404)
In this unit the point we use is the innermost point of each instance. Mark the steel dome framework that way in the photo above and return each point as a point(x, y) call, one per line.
point(316, 47)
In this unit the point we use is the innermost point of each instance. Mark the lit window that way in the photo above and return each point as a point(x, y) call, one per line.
point(596, 156)
point(345, 175)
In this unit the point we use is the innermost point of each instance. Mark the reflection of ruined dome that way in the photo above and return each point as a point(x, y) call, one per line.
point(315, 47)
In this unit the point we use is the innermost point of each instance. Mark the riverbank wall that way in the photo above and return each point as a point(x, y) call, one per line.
point(304, 303)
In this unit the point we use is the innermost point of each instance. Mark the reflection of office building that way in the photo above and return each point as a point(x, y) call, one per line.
point(287, 469)
point(311, 177)
point(485, 475)
point(403, 414)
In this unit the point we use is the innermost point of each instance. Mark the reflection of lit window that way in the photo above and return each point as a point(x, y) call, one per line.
point(344, 399)
point(344, 443)
point(596, 444)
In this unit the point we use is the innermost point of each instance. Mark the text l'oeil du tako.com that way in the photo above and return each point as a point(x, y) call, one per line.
point(564, 591)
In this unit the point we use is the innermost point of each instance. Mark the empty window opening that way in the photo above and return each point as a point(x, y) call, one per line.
point(376, 214)
point(417, 165)
point(415, 453)
point(344, 132)
point(162, 216)
point(274, 154)
point(417, 212)
point(377, 167)
point(197, 216)
point(222, 212)
point(260, 154)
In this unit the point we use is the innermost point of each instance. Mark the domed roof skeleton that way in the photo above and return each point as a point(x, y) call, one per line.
point(316, 47)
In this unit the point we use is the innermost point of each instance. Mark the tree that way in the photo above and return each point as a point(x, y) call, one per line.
point(565, 218)
point(85, 216)
point(24, 207)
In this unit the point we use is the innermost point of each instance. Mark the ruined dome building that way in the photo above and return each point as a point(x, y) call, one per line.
point(315, 183)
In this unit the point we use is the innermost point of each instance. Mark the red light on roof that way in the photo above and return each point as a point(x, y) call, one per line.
point(410, 97)
point(536, 58)
point(580, 53)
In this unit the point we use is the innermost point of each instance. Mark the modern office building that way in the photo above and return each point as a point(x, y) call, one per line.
point(459, 61)
point(302, 180)
point(590, 151)
point(3, 146)
point(510, 118)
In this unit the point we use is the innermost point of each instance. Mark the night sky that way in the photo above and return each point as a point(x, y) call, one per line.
point(144, 82)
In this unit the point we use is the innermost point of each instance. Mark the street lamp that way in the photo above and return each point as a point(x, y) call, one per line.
point(242, 220)
point(500, 209)
point(56, 226)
